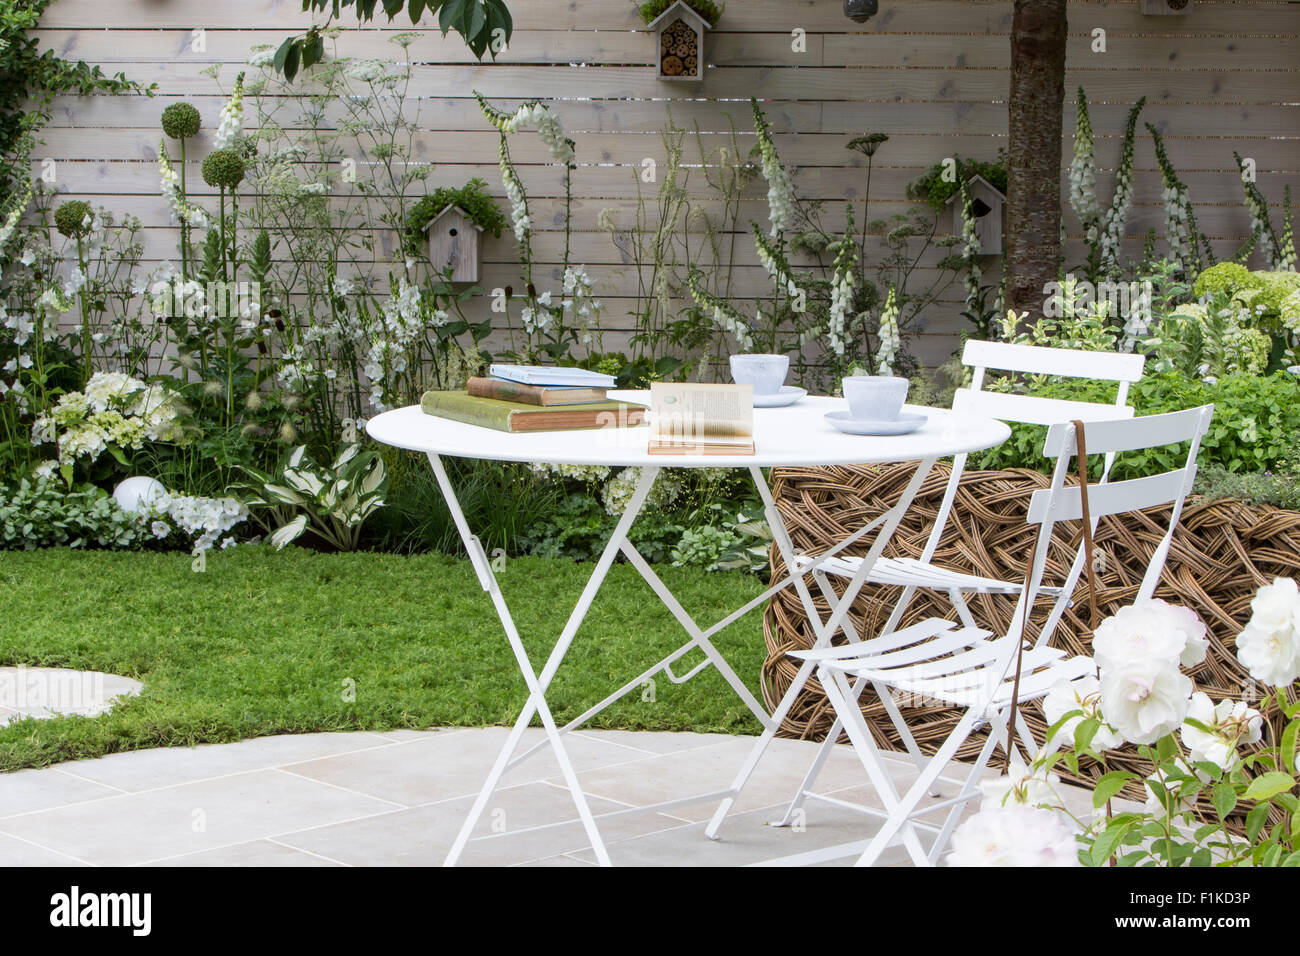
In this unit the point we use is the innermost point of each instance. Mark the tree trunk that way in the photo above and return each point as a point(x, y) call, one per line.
point(1033, 240)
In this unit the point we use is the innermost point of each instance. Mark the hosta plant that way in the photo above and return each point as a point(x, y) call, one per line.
point(332, 501)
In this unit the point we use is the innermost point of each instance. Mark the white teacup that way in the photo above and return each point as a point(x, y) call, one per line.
point(875, 398)
point(765, 372)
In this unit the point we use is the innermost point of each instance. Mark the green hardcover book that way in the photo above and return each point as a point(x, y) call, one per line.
point(514, 417)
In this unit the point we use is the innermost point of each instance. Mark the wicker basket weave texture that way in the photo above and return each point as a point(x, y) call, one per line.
point(1223, 551)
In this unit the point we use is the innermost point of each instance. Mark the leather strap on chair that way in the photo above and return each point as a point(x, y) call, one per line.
point(1081, 459)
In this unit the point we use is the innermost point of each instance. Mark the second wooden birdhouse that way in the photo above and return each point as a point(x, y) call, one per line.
point(454, 244)
point(679, 31)
point(987, 202)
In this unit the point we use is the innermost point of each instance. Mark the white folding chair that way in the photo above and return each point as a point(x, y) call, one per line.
point(965, 667)
point(921, 573)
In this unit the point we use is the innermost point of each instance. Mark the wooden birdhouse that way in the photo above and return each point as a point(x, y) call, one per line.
point(987, 203)
point(454, 244)
point(679, 32)
point(1166, 8)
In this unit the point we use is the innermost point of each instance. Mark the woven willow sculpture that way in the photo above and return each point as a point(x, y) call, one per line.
point(1222, 552)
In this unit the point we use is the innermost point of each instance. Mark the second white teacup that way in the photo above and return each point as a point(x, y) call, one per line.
point(766, 373)
point(875, 398)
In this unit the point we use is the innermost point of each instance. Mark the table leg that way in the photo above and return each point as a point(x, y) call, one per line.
point(537, 684)
point(823, 631)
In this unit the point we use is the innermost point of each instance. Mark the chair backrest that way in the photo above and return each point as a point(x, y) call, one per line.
point(1028, 409)
point(1037, 360)
point(1061, 502)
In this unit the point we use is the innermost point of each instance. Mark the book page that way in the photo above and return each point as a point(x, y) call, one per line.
point(700, 414)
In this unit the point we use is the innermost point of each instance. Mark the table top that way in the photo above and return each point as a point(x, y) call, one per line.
point(795, 435)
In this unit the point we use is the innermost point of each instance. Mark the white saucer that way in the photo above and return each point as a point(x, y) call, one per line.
point(788, 395)
point(904, 424)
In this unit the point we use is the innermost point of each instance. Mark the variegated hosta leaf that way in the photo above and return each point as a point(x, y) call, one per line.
point(284, 495)
point(307, 482)
point(295, 456)
point(371, 481)
point(282, 536)
point(346, 455)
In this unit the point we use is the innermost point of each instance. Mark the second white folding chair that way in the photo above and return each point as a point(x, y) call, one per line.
point(922, 573)
point(966, 667)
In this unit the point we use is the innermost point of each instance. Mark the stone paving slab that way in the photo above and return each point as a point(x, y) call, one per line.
point(385, 799)
point(44, 692)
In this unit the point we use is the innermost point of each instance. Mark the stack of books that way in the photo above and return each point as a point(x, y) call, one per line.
point(535, 398)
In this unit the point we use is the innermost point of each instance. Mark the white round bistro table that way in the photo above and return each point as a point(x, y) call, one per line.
point(797, 435)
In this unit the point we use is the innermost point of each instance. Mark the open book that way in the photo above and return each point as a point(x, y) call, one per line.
point(692, 419)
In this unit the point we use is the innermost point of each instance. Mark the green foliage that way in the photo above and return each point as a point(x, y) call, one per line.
point(501, 502)
point(710, 11)
point(29, 80)
point(1171, 829)
point(41, 512)
point(933, 188)
point(485, 25)
point(579, 527)
point(702, 547)
point(473, 198)
point(1278, 489)
point(1255, 421)
point(1224, 277)
point(181, 121)
point(332, 500)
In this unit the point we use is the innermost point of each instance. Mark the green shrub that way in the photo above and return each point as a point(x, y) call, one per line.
point(1258, 488)
point(1256, 419)
point(932, 187)
point(1263, 293)
point(710, 11)
point(1224, 277)
point(473, 198)
point(40, 513)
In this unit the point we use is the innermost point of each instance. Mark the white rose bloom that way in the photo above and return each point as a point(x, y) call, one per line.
point(1014, 836)
point(1269, 646)
point(1082, 694)
point(1145, 700)
point(1153, 630)
point(1233, 723)
point(1020, 786)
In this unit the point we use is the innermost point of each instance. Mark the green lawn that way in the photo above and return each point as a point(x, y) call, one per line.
point(265, 643)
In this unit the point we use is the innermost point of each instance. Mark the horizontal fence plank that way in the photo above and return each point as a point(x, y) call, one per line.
point(866, 84)
point(831, 118)
point(915, 16)
point(827, 150)
point(723, 49)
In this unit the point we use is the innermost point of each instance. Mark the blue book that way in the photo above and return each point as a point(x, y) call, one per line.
point(551, 376)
